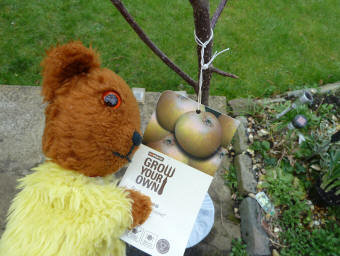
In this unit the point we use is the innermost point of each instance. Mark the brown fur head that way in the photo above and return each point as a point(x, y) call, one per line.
point(82, 132)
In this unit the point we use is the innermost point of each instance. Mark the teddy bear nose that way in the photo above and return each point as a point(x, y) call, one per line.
point(136, 139)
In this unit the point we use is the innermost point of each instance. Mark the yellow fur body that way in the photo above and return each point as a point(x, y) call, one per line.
point(60, 212)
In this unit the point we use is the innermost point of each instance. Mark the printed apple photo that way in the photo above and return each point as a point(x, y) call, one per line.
point(197, 138)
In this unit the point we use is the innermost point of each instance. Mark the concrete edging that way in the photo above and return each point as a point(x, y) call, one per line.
point(251, 214)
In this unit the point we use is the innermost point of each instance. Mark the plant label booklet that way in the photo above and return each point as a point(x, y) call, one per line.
point(181, 151)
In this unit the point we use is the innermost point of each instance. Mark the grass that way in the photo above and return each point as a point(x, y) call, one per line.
point(275, 45)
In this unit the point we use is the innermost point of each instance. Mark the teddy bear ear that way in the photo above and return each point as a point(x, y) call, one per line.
point(63, 63)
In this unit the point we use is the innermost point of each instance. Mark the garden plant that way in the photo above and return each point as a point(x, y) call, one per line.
point(300, 178)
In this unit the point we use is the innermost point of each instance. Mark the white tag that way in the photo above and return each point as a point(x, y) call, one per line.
point(265, 203)
point(176, 190)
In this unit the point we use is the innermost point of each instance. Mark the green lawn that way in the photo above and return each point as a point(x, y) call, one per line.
point(275, 45)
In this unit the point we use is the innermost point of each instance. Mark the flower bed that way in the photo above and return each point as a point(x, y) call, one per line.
point(301, 180)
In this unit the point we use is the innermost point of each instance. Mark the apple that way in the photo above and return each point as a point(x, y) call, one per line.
point(153, 131)
point(199, 134)
point(171, 106)
point(168, 146)
point(229, 126)
point(210, 165)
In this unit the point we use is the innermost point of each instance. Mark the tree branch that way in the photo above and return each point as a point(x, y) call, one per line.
point(218, 12)
point(121, 8)
point(222, 73)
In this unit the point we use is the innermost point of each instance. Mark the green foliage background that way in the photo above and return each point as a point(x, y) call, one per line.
point(275, 45)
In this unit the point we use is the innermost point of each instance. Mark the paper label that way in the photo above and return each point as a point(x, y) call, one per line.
point(182, 151)
point(176, 191)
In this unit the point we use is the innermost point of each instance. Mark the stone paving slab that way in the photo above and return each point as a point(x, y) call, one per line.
point(22, 122)
point(21, 128)
point(252, 231)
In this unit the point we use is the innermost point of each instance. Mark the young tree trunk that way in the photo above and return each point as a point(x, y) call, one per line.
point(203, 27)
point(203, 30)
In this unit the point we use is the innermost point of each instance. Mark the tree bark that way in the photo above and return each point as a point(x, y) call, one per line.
point(203, 31)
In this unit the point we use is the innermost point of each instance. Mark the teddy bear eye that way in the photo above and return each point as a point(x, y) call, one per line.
point(112, 99)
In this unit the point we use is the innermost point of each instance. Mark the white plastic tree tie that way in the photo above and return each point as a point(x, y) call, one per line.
point(204, 66)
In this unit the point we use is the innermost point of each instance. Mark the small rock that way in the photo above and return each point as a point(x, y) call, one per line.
point(240, 141)
point(262, 133)
point(251, 138)
point(309, 202)
point(276, 229)
point(315, 167)
point(251, 229)
point(243, 121)
point(275, 253)
point(256, 167)
point(245, 178)
point(250, 152)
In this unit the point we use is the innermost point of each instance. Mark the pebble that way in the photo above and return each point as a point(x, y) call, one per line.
point(251, 138)
point(262, 133)
point(236, 213)
point(315, 167)
point(251, 152)
point(316, 223)
point(275, 253)
point(276, 229)
point(256, 167)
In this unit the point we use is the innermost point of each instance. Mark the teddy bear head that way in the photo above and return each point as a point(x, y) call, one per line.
point(92, 118)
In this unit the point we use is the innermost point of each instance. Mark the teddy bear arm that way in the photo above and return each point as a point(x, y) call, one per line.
point(141, 207)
